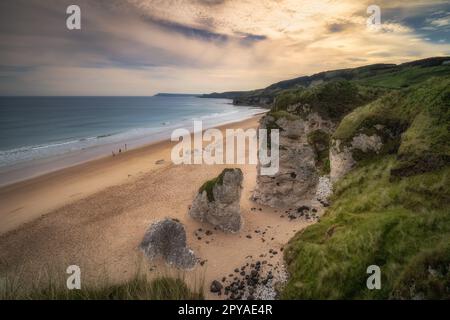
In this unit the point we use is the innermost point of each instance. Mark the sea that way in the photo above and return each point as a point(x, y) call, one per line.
point(43, 134)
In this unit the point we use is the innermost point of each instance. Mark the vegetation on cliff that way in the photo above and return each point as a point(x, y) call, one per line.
point(397, 225)
point(392, 210)
point(320, 141)
point(331, 100)
point(413, 123)
point(385, 76)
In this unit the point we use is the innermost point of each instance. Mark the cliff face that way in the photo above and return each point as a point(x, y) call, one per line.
point(328, 129)
point(306, 120)
point(297, 180)
point(341, 156)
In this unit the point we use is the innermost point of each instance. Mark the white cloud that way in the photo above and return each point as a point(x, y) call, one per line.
point(441, 22)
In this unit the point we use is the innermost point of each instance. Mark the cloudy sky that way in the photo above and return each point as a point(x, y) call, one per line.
point(141, 47)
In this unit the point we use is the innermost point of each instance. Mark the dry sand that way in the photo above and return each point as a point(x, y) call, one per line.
point(95, 215)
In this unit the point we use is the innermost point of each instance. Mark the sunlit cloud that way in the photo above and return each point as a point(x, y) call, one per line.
point(138, 47)
point(441, 22)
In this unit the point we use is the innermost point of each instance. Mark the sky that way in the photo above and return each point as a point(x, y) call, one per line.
point(142, 47)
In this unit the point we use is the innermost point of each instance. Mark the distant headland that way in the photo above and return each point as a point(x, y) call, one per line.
point(162, 94)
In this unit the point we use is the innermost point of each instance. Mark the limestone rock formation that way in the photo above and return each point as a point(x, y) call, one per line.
point(341, 161)
point(298, 175)
point(167, 239)
point(342, 157)
point(218, 201)
point(324, 190)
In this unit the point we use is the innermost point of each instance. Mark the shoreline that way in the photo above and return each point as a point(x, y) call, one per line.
point(12, 196)
point(13, 174)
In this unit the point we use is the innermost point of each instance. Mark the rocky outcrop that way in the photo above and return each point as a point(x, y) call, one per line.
point(298, 175)
point(218, 201)
point(344, 157)
point(324, 190)
point(367, 143)
point(167, 239)
point(341, 161)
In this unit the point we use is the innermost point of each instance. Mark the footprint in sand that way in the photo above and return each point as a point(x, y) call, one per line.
point(76, 194)
point(17, 209)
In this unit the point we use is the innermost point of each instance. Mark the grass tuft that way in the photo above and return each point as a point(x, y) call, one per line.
point(49, 286)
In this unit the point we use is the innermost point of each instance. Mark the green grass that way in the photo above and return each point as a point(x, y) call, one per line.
point(427, 275)
point(332, 100)
point(140, 287)
point(415, 125)
point(407, 77)
point(282, 114)
point(425, 145)
point(373, 220)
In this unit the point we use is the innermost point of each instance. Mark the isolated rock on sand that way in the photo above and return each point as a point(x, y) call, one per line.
point(218, 201)
point(167, 239)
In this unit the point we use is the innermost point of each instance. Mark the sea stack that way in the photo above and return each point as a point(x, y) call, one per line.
point(218, 201)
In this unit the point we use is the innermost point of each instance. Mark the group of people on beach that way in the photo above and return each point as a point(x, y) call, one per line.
point(120, 150)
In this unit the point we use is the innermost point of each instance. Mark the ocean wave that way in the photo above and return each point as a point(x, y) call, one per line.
point(215, 115)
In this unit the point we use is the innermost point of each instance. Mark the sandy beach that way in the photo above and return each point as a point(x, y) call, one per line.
point(94, 215)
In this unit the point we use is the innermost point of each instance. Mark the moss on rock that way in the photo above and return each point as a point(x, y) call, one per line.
point(320, 141)
point(208, 186)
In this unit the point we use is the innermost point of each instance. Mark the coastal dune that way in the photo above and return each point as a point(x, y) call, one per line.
point(94, 215)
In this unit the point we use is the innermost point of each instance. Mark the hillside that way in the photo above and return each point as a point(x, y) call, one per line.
point(381, 135)
point(391, 210)
point(378, 75)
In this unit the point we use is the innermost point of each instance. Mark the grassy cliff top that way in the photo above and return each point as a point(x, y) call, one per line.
point(331, 100)
point(419, 117)
point(390, 76)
